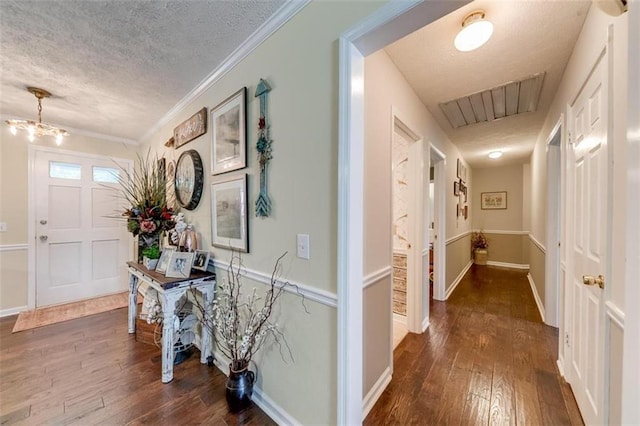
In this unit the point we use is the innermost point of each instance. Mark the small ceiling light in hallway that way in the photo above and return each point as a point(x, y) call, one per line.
point(475, 32)
point(37, 128)
point(495, 154)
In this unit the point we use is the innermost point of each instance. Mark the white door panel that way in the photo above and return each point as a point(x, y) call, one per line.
point(81, 243)
point(588, 169)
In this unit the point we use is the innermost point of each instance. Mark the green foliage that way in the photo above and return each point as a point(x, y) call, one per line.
point(152, 252)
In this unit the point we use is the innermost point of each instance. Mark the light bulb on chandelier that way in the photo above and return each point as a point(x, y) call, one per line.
point(37, 129)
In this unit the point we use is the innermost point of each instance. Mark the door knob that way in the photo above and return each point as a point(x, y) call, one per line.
point(591, 280)
point(43, 222)
point(43, 238)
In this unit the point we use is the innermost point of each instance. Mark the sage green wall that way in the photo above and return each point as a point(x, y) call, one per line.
point(300, 62)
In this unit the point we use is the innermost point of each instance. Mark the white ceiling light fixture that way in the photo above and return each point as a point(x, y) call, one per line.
point(475, 32)
point(495, 155)
point(37, 129)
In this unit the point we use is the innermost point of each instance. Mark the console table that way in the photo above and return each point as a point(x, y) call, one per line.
point(170, 290)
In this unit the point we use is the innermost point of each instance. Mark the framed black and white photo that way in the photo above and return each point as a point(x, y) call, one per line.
point(461, 171)
point(179, 264)
point(456, 188)
point(229, 214)
point(201, 260)
point(229, 130)
point(163, 262)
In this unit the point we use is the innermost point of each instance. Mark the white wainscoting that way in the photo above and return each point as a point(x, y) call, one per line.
point(13, 247)
point(376, 276)
point(376, 391)
point(507, 265)
point(323, 297)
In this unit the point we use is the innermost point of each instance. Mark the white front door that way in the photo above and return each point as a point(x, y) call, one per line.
point(81, 243)
point(588, 250)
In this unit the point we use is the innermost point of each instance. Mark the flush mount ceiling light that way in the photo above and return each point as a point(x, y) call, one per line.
point(495, 154)
point(37, 128)
point(475, 32)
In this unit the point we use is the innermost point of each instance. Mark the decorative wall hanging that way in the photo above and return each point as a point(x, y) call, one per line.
point(263, 203)
point(170, 142)
point(456, 188)
point(229, 143)
point(190, 129)
point(229, 214)
point(493, 200)
point(189, 178)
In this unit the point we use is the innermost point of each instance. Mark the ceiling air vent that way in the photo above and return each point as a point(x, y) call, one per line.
point(516, 97)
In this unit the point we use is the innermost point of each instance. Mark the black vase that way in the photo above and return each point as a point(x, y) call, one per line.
point(239, 388)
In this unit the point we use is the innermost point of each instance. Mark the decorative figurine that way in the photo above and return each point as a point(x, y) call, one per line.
point(263, 203)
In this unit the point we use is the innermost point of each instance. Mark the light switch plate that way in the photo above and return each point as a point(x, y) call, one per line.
point(302, 244)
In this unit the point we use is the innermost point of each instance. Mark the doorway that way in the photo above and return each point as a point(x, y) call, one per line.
point(437, 252)
point(554, 215)
point(81, 246)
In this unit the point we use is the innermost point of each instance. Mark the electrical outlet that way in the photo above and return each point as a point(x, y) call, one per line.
point(3, 226)
point(302, 246)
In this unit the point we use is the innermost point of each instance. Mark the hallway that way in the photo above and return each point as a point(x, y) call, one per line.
point(486, 358)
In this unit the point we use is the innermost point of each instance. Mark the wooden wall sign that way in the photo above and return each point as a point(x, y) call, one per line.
point(191, 128)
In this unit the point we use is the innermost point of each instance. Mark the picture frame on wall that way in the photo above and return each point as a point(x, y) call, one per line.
point(456, 188)
point(493, 200)
point(461, 171)
point(229, 134)
point(229, 220)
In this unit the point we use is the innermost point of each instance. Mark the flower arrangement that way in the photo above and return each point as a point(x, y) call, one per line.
point(479, 241)
point(242, 323)
point(145, 189)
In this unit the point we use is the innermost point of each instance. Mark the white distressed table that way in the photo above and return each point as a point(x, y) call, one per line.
point(170, 291)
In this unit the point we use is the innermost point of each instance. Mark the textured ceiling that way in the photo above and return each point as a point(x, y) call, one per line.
point(529, 37)
point(115, 67)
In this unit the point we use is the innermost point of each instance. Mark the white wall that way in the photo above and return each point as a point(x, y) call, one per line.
point(589, 44)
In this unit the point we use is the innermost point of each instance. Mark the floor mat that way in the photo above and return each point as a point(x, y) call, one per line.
point(54, 314)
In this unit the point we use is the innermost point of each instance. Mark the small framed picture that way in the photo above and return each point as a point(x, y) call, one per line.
point(229, 130)
point(493, 200)
point(456, 188)
point(163, 262)
point(229, 214)
point(461, 171)
point(201, 260)
point(180, 264)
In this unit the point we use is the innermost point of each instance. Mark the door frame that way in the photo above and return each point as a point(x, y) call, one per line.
point(554, 225)
point(415, 222)
point(440, 218)
point(389, 23)
point(31, 209)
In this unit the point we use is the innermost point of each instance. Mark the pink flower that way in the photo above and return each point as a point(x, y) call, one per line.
point(147, 226)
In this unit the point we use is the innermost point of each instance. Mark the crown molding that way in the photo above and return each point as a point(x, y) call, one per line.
point(287, 11)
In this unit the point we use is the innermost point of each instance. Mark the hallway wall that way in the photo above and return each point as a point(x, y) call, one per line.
point(386, 89)
point(590, 42)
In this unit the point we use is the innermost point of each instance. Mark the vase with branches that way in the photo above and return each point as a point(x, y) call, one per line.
point(242, 324)
point(479, 246)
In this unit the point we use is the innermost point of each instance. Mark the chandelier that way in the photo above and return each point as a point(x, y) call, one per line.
point(37, 128)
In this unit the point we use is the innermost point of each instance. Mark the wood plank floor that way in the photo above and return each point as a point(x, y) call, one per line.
point(486, 358)
point(91, 371)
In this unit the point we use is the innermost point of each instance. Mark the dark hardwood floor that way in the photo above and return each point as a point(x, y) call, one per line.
point(91, 371)
point(486, 358)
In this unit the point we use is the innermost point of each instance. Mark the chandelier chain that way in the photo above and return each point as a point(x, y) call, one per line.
point(39, 110)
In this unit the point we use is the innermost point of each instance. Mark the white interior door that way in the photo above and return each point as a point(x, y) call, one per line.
point(81, 243)
point(588, 169)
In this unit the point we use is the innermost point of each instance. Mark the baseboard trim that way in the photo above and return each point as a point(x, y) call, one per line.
point(508, 265)
point(375, 392)
point(457, 280)
point(560, 364)
point(12, 311)
point(425, 324)
point(536, 296)
point(266, 404)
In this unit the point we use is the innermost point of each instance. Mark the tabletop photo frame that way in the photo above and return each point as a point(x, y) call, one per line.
point(180, 264)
